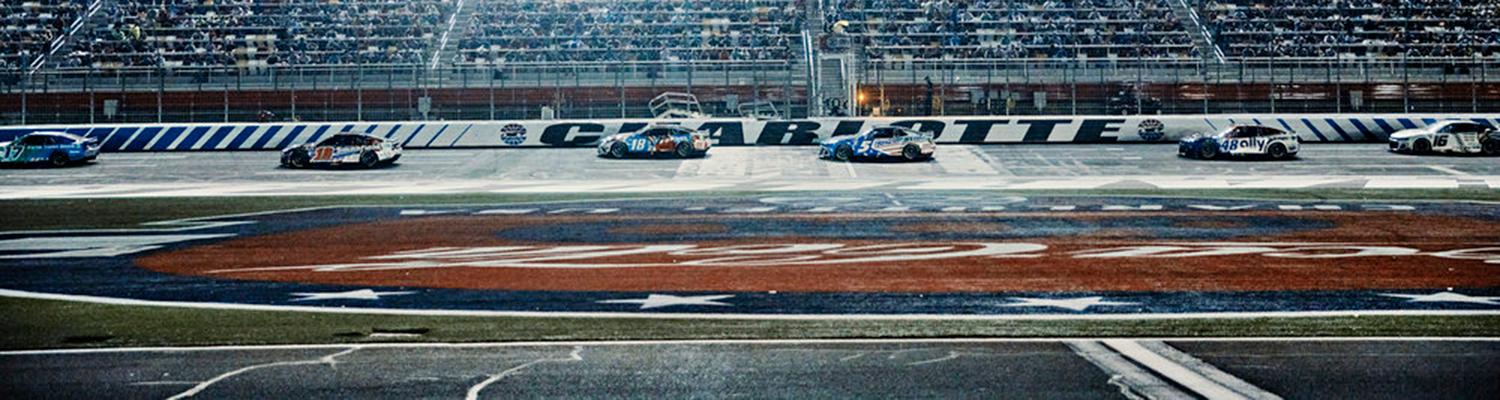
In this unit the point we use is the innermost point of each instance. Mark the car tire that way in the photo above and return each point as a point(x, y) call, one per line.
point(1277, 151)
point(617, 150)
point(843, 153)
point(298, 160)
point(1208, 151)
point(911, 152)
point(58, 160)
point(683, 150)
point(1491, 147)
point(369, 159)
point(1421, 146)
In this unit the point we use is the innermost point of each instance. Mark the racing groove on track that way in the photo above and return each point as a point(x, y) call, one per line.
point(837, 255)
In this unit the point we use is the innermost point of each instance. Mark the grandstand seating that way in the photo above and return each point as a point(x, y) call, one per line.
point(1013, 29)
point(29, 27)
point(1359, 29)
point(244, 33)
point(520, 31)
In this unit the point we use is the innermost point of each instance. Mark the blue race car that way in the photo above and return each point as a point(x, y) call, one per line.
point(55, 148)
point(1240, 140)
point(678, 141)
point(884, 142)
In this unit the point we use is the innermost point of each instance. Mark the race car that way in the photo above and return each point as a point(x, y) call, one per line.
point(883, 142)
point(343, 149)
point(1460, 137)
point(1241, 140)
point(55, 148)
point(678, 141)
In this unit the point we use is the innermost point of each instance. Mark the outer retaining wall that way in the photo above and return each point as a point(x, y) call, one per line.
point(730, 132)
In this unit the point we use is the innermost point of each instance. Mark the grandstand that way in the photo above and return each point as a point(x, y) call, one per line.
point(180, 60)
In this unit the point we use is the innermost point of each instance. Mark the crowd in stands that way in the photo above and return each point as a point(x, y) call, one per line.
point(522, 31)
point(172, 33)
point(252, 33)
point(28, 28)
point(1354, 28)
point(1011, 29)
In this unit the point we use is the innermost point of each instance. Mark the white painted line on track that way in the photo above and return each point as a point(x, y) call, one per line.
point(1177, 373)
point(1448, 170)
point(1207, 370)
point(325, 360)
point(1133, 381)
point(729, 316)
point(769, 342)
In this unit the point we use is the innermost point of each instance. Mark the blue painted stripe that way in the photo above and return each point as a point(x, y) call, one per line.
point(115, 141)
point(1385, 127)
point(7, 135)
point(414, 135)
point(193, 138)
point(99, 133)
point(1430, 121)
point(1211, 124)
point(1232, 123)
point(243, 136)
point(1284, 125)
point(460, 136)
point(1363, 130)
point(139, 143)
point(1314, 129)
point(392, 132)
point(290, 137)
point(167, 138)
point(370, 129)
point(1338, 129)
point(219, 135)
point(1480, 121)
point(78, 131)
point(1406, 122)
point(265, 137)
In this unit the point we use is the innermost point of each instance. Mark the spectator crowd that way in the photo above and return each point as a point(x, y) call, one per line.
point(1354, 28)
point(28, 28)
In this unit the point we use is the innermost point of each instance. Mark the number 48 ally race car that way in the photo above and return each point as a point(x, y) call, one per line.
point(678, 141)
point(885, 142)
point(1461, 137)
point(55, 148)
point(343, 149)
point(1241, 140)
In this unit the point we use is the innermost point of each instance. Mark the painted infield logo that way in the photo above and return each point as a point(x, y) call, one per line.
point(910, 254)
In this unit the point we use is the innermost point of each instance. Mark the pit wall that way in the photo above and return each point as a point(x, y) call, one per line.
point(732, 132)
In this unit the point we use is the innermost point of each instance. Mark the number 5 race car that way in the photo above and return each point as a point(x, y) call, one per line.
point(55, 148)
point(1462, 137)
point(343, 149)
point(1241, 140)
point(885, 142)
point(678, 141)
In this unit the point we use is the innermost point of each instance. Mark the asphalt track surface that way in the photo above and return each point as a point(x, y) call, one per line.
point(766, 162)
point(1033, 369)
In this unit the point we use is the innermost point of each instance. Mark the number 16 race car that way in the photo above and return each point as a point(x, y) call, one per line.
point(1461, 137)
point(343, 149)
point(1241, 140)
point(885, 142)
point(678, 141)
point(55, 148)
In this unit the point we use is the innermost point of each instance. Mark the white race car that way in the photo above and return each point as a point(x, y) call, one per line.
point(343, 149)
point(1462, 137)
point(1241, 140)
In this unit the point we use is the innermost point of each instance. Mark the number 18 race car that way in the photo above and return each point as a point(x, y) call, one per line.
point(1241, 140)
point(1461, 137)
point(343, 149)
point(885, 142)
point(678, 141)
point(55, 148)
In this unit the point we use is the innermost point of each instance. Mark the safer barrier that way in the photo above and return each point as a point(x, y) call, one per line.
point(732, 132)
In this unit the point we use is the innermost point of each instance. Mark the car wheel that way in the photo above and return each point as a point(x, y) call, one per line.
point(1492, 147)
point(843, 153)
point(1208, 151)
point(1421, 146)
point(911, 152)
point(58, 159)
point(368, 159)
point(1276, 151)
point(683, 150)
point(298, 160)
point(617, 150)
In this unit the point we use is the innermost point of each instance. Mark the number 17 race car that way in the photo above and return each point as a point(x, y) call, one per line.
point(1241, 140)
point(885, 142)
point(678, 141)
point(343, 149)
point(55, 148)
